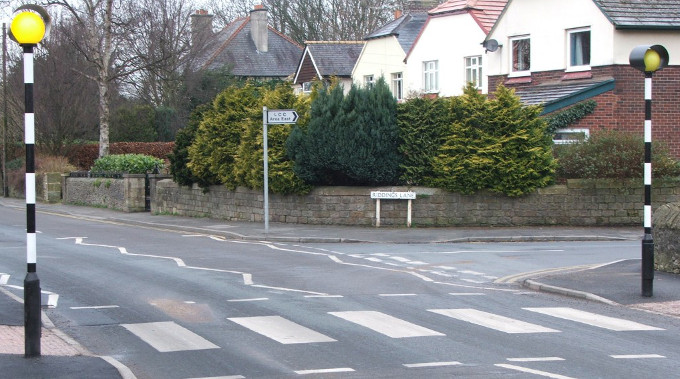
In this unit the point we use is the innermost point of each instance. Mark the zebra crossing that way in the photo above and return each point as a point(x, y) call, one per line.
point(168, 336)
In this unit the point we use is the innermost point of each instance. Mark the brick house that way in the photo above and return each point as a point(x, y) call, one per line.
point(248, 47)
point(323, 60)
point(558, 53)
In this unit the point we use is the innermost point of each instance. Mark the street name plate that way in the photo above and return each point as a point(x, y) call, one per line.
point(393, 195)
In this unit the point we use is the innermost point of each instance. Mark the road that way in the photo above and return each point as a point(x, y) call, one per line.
point(179, 305)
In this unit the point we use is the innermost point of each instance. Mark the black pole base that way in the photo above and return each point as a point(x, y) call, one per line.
point(647, 266)
point(32, 315)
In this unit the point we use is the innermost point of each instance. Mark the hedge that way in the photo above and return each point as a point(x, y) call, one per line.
point(84, 156)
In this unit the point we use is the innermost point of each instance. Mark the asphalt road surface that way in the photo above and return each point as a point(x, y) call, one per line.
point(174, 305)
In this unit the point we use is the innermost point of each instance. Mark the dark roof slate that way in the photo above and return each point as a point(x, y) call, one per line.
point(335, 58)
point(642, 14)
point(554, 96)
point(406, 29)
point(233, 47)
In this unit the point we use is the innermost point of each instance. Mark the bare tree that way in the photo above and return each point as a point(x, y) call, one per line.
point(107, 33)
point(66, 102)
point(163, 40)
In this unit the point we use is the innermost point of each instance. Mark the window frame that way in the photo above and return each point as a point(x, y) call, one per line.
point(512, 41)
point(431, 76)
point(584, 132)
point(470, 68)
point(570, 65)
point(398, 85)
point(369, 81)
point(307, 87)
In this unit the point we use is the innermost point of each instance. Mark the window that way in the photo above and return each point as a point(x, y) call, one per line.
point(579, 48)
point(521, 55)
point(369, 81)
point(565, 136)
point(307, 87)
point(431, 76)
point(398, 85)
point(473, 71)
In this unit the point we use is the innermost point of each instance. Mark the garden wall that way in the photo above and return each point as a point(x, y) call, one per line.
point(126, 194)
point(578, 202)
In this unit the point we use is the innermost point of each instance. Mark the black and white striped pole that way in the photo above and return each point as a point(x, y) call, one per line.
point(648, 59)
point(28, 28)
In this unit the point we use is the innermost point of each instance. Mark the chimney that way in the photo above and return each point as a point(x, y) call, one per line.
point(397, 14)
point(201, 27)
point(259, 29)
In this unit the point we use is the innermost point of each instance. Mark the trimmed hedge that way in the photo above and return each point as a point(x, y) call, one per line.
point(83, 156)
point(127, 163)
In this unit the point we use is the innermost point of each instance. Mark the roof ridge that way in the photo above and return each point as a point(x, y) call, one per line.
point(228, 41)
point(333, 42)
point(287, 38)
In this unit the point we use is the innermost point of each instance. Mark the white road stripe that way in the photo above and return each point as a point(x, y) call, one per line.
point(324, 371)
point(431, 364)
point(535, 372)
point(492, 321)
point(401, 259)
point(281, 330)
point(96, 307)
point(639, 356)
point(386, 324)
point(168, 337)
point(593, 319)
point(4, 278)
point(536, 359)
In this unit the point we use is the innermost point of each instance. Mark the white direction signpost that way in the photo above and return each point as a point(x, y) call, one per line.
point(273, 116)
point(281, 116)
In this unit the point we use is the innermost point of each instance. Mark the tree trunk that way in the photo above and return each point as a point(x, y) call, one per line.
point(104, 118)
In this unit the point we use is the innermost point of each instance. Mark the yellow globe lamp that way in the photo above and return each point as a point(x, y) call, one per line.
point(649, 58)
point(652, 60)
point(28, 28)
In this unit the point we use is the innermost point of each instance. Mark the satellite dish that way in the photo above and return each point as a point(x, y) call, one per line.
point(491, 45)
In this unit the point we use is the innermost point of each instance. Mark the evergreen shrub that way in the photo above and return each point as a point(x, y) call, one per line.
point(351, 139)
point(422, 123)
point(223, 143)
point(614, 155)
point(496, 144)
point(127, 163)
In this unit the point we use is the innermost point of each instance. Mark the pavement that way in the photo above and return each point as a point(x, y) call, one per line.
point(616, 283)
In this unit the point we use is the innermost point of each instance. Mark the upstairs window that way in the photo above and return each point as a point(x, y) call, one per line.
point(579, 49)
point(369, 81)
point(431, 76)
point(398, 86)
point(521, 56)
point(473, 71)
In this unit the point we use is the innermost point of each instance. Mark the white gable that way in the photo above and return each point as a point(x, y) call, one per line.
point(447, 40)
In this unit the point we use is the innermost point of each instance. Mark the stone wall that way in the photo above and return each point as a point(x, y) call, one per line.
point(125, 194)
point(667, 238)
point(579, 202)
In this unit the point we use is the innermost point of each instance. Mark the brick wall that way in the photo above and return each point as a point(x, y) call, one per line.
point(579, 202)
point(623, 108)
